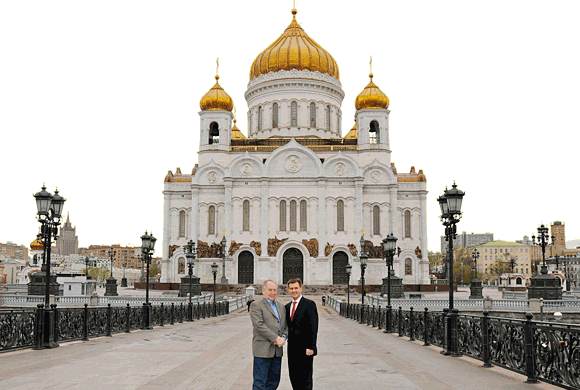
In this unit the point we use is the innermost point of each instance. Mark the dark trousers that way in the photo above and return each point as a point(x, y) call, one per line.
point(300, 368)
point(267, 373)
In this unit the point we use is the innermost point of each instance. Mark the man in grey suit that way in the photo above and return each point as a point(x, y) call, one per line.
point(270, 334)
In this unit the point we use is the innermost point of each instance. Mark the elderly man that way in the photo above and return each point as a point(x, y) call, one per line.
point(270, 333)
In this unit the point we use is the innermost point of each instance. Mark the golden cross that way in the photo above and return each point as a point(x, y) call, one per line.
point(362, 232)
point(217, 63)
point(371, 64)
point(224, 232)
point(234, 112)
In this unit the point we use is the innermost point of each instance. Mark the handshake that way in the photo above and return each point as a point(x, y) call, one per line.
point(280, 341)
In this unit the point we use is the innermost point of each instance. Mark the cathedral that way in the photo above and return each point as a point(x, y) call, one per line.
point(294, 196)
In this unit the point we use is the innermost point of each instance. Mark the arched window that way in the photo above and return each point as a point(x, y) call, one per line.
point(407, 224)
point(182, 224)
point(283, 216)
point(214, 133)
point(181, 265)
point(246, 216)
point(374, 133)
point(328, 117)
point(293, 216)
point(408, 267)
point(211, 220)
point(303, 222)
point(312, 115)
point(275, 115)
point(294, 114)
point(376, 220)
point(259, 118)
point(340, 216)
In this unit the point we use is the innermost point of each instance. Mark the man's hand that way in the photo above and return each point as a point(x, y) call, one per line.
point(280, 341)
point(309, 352)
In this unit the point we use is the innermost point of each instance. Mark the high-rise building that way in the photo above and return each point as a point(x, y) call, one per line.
point(14, 251)
point(558, 230)
point(67, 242)
point(465, 240)
point(123, 256)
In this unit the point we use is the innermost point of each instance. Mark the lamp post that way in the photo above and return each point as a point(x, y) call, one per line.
point(147, 247)
point(475, 287)
point(49, 213)
point(124, 279)
point(223, 243)
point(214, 271)
point(348, 272)
point(389, 249)
point(190, 253)
point(111, 287)
point(557, 258)
point(364, 258)
point(87, 266)
point(544, 286)
point(450, 204)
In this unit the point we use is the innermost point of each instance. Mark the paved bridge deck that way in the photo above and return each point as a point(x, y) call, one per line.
point(215, 353)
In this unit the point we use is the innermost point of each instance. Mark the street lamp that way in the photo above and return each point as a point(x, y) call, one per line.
point(124, 279)
point(450, 203)
point(147, 247)
point(87, 266)
point(223, 243)
point(389, 249)
point(214, 271)
point(111, 287)
point(364, 258)
point(49, 213)
point(475, 287)
point(348, 272)
point(544, 286)
point(190, 253)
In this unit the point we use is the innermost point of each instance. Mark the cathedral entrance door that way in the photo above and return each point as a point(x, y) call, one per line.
point(246, 268)
point(339, 262)
point(292, 265)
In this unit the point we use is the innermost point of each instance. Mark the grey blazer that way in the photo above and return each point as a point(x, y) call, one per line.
point(267, 328)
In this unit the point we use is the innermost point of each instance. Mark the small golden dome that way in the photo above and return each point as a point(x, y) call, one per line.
point(371, 97)
point(352, 133)
point(216, 99)
point(237, 133)
point(294, 49)
point(36, 245)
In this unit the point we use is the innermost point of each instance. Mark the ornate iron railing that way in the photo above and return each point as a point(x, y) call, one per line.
point(542, 351)
point(27, 328)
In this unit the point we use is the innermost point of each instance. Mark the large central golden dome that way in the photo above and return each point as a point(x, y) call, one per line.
point(294, 49)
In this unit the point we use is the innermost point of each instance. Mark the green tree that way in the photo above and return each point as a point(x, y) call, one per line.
point(99, 274)
point(154, 270)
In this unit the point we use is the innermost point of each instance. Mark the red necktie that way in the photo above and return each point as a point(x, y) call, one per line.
point(293, 310)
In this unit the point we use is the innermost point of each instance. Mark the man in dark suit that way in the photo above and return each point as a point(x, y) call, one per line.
point(302, 317)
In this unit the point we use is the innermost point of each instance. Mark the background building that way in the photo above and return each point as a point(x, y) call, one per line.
point(495, 257)
point(67, 242)
point(14, 251)
point(465, 240)
point(124, 256)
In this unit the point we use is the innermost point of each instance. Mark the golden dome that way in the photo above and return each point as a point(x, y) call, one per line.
point(237, 133)
point(294, 49)
point(36, 245)
point(352, 133)
point(371, 97)
point(216, 99)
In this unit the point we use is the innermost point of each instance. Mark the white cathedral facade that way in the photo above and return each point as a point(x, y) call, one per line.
point(294, 196)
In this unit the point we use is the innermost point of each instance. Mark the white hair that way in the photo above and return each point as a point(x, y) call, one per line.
point(265, 284)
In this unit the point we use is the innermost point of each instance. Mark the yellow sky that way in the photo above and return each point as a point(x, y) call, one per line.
point(101, 99)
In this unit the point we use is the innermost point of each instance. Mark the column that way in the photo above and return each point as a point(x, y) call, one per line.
point(425, 261)
point(358, 208)
point(264, 226)
point(228, 220)
point(194, 214)
point(166, 274)
point(322, 218)
point(394, 211)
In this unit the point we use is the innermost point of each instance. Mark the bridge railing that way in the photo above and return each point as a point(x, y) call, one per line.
point(542, 351)
point(97, 300)
point(26, 327)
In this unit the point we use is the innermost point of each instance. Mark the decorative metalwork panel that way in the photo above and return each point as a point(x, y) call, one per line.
point(395, 320)
point(557, 353)
point(70, 324)
point(506, 344)
point(419, 325)
point(136, 318)
point(436, 328)
point(293, 265)
point(118, 319)
point(339, 263)
point(156, 315)
point(470, 336)
point(98, 319)
point(246, 268)
point(17, 329)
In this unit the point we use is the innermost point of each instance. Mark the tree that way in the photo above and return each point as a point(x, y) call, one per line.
point(99, 274)
point(154, 270)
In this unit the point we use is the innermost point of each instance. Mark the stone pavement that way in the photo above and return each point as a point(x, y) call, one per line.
point(215, 353)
